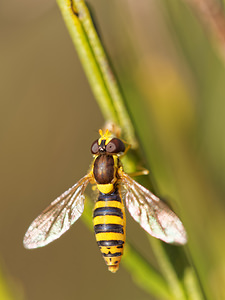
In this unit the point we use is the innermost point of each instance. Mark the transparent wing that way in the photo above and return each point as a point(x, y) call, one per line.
point(152, 213)
point(57, 217)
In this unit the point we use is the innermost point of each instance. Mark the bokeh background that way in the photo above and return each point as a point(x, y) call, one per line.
point(172, 75)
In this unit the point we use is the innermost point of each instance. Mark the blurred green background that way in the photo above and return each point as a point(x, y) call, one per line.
point(173, 79)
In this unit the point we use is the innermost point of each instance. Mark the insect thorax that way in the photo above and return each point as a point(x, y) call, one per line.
point(104, 170)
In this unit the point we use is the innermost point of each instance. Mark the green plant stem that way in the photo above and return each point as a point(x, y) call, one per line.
point(88, 60)
point(108, 96)
point(7, 289)
point(96, 65)
point(107, 73)
point(168, 270)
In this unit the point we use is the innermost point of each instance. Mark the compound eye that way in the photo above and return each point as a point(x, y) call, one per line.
point(115, 146)
point(94, 147)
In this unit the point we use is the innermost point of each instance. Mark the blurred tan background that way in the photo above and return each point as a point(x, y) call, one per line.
point(173, 80)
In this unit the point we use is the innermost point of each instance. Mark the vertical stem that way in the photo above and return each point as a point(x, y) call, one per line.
point(87, 58)
point(107, 73)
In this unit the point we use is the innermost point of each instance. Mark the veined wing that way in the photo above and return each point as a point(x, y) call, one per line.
point(57, 217)
point(152, 213)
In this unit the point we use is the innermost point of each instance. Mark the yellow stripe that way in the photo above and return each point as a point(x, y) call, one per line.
point(108, 220)
point(106, 236)
point(108, 204)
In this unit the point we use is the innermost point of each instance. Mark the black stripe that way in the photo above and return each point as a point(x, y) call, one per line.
point(111, 254)
point(115, 196)
point(108, 211)
point(110, 243)
point(108, 228)
point(102, 145)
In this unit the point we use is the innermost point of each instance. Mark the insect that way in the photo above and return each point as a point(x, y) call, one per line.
point(113, 184)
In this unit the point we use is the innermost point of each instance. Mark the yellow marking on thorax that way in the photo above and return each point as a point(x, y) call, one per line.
point(105, 188)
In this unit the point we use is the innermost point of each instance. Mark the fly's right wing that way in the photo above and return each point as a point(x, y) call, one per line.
point(58, 217)
point(152, 214)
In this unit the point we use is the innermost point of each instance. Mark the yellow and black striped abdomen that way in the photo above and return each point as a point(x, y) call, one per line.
point(109, 227)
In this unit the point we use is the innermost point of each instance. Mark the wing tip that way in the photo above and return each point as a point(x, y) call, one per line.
point(179, 240)
point(32, 245)
point(27, 244)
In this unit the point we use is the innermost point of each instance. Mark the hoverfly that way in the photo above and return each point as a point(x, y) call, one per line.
point(109, 213)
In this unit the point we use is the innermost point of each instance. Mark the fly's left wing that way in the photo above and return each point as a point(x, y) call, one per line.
point(58, 217)
point(152, 213)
